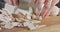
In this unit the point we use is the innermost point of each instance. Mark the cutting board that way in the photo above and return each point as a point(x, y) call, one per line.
point(52, 22)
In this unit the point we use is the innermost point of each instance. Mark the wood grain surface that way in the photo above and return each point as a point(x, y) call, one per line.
point(52, 22)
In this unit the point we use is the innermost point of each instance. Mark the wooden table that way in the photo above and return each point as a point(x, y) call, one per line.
point(52, 22)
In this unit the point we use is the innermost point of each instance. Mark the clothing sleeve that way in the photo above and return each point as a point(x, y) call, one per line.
point(1, 0)
point(2, 3)
point(58, 4)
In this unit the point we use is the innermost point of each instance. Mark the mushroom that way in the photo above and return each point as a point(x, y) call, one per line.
point(54, 11)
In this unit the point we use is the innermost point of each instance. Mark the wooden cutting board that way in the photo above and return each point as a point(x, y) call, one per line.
point(53, 25)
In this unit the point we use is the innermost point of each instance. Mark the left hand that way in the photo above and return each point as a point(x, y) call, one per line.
point(47, 6)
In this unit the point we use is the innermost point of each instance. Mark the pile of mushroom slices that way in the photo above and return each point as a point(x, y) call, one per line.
point(19, 19)
point(22, 18)
point(28, 19)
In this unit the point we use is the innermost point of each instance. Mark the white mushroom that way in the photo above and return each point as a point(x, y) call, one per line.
point(24, 12)
point(15, 24)
point(11, 9)
point(40, 26)
point(7, 25)
point(20, 25)
point(35, 21)
point(29, 25)
point(5, 16)
point(54, 11)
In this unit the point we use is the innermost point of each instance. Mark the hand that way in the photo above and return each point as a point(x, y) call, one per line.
point(12, 2)
point(47, 6)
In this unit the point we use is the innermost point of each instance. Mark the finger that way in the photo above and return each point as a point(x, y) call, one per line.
point(40, 5)
point(54, 2)
point(15, 2)
point(9, 2)
point(34, 1)
point(48, 13)
point(46, 8)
